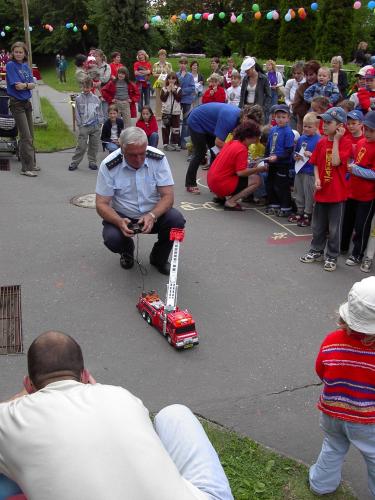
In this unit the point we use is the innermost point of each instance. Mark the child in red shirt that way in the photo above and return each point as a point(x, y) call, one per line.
point(215, 91)
point(360, 206)
point(148, 123)
point(330, 159)
point(346, 365)
point(366, 95)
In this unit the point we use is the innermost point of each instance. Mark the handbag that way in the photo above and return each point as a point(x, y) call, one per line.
point(167, 119)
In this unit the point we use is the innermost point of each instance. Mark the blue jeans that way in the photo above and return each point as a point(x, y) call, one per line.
point(144, 99)
point(111, 146)
point(185, 108)
point(153, 139)
point(274, 97)
point(325, 474)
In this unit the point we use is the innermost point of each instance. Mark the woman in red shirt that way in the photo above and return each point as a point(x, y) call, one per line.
point(148, 123)
point(143, 72)
point(229, 175)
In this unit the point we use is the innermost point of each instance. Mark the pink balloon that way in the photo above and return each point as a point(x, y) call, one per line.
point(357, 5)
point(233, 18)
point(275, 15)
point(205, 16)
point(146, 26)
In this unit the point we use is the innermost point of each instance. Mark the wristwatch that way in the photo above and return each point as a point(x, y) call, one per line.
point(153, 216)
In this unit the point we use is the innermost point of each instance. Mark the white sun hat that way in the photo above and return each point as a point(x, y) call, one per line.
point(359, 311)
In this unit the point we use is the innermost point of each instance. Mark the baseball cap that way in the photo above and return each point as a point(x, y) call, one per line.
point(247, 63)
point(359, 311)
point(370, 73)
point(363, 70)
point(369, 120)
point(355, 114)
point(335, 113)
point(280, 107)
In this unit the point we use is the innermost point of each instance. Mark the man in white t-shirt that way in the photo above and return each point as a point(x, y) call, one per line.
point(67, 437)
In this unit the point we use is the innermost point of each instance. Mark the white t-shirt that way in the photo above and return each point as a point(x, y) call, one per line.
point(233, 95)
point(72, 441)
point(251, 93)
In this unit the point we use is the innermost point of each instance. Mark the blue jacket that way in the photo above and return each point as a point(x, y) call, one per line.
point(187, 85)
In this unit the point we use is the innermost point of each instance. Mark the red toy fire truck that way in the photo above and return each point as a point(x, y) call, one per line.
point(176, 325)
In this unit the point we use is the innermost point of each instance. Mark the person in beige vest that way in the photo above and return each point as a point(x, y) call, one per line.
point(159, 71)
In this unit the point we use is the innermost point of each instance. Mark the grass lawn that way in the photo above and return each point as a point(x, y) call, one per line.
point(56, 135)
point(255, 472)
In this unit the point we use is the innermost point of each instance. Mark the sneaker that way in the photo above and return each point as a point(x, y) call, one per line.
point(168, 147)
point(29, 173)
point(304, 222)
point(283, 213)
point(93, 166)
point(127, 260)
point(271, 210)
point(176, 147)
point(36, 169)
point(329, 264)
point(353, 261)
point(72, 167)
point(366, 265)
point(294, 218)
point(311, 256)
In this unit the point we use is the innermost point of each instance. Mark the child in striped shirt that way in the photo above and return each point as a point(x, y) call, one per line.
point(346, 365)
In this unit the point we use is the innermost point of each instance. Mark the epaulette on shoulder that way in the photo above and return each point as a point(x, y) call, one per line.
point(154, 153)
point(114, 161)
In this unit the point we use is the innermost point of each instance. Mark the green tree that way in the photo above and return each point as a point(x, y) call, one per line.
point(296, 37)
point(334, 30)
point(120, 26)
point(266, 33)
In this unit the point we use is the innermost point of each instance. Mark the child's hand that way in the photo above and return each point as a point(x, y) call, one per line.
point(308, 154)
point(339, 132)
point(272, 158)
point(298, 157)
point(350, 167)
point(318, 184)
point(263, 168)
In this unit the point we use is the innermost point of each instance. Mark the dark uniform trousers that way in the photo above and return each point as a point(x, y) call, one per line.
point(117, 242)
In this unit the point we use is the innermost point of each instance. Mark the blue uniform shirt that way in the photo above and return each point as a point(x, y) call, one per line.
point(134, 191)
point(214, 118)
point(18, 73)
point(311, 142)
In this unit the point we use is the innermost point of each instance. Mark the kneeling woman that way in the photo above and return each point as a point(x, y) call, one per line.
point(229, 175)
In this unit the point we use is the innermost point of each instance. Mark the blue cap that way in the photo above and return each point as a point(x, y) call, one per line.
point(280, 107)
point(335, 113)
point(356, 114)
point(369, 120)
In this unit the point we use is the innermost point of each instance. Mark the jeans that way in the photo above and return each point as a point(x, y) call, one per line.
point(200, 143)
point(111, 146)
point(92, 135)
point(325, 474)
point(185, 108)
point(153, 139)
point(326, 227)
point(274, 97)
point(358, 216)
point(187, 444)
point(144, 99)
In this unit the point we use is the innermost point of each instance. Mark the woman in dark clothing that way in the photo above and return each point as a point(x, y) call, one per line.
point(255, 88)
point(300, 106)
point(338, 76)
point(360, 55)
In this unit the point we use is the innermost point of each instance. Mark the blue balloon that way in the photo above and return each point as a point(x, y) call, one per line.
point(288, 17)
point(314, 6)
point(371, 5)
point(183, 16)
point(67, 26)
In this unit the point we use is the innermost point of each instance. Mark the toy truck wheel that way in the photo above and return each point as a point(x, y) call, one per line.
point(148, 319)
point(169, 340)
point(144, 315)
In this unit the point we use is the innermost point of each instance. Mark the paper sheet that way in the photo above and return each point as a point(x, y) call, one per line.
point(300, 163)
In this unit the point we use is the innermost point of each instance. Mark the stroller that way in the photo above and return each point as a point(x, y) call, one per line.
point(8, 129)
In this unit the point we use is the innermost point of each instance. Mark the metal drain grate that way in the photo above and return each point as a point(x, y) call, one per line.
point(10, 320)
point(4, 165)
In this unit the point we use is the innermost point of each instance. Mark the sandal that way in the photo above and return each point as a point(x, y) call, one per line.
point(237, 208)
point(193, 189)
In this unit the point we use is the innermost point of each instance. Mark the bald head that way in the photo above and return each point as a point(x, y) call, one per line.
point(54, 356)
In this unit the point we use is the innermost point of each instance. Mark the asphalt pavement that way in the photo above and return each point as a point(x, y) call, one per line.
point(260, 313)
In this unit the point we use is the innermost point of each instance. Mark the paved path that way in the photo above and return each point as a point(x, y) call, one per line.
point(261, 313)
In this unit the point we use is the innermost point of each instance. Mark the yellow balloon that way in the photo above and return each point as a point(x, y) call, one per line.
point(189, 17)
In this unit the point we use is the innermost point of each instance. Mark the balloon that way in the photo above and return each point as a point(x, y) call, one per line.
point(75, 29)
point(370, 5)
point(2, 33)
point(292, 13)
point(221, 15)
point(197, 16)
point(240, 18)
point(205, 16)
point(146, 26)
point(269, 15)
point(357, 5)
point(210, 17)
point(50, 28)
point(257, 15)
point(174, 19)
point(189, 17)
point(183, 16)
point(46, 26)
point(288, 17)
point(275, 15)
point(233, 18)
point(67, 26)
point(30, 28)
point(314, 6)
point(7, 28)
point(255, 7)
point(301, 11)
point(158, 19)
point(85, 27)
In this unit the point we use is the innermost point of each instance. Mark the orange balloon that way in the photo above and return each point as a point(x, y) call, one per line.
point(85, 27)
point(301, 11)
point(257, 15)
point(174, 19)
point(292, 13)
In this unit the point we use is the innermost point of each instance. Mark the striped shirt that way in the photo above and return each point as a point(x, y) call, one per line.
point(346, 365)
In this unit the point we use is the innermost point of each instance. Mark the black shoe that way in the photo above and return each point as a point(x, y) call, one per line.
point(92, 166)
point(127, 260)
point(219, 200)
point(163, 268)
point(72, 167)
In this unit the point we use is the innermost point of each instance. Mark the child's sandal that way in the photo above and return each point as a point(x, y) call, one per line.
point(193, 189)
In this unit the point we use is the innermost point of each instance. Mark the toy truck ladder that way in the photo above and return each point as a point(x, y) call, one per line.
point(176, 235)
